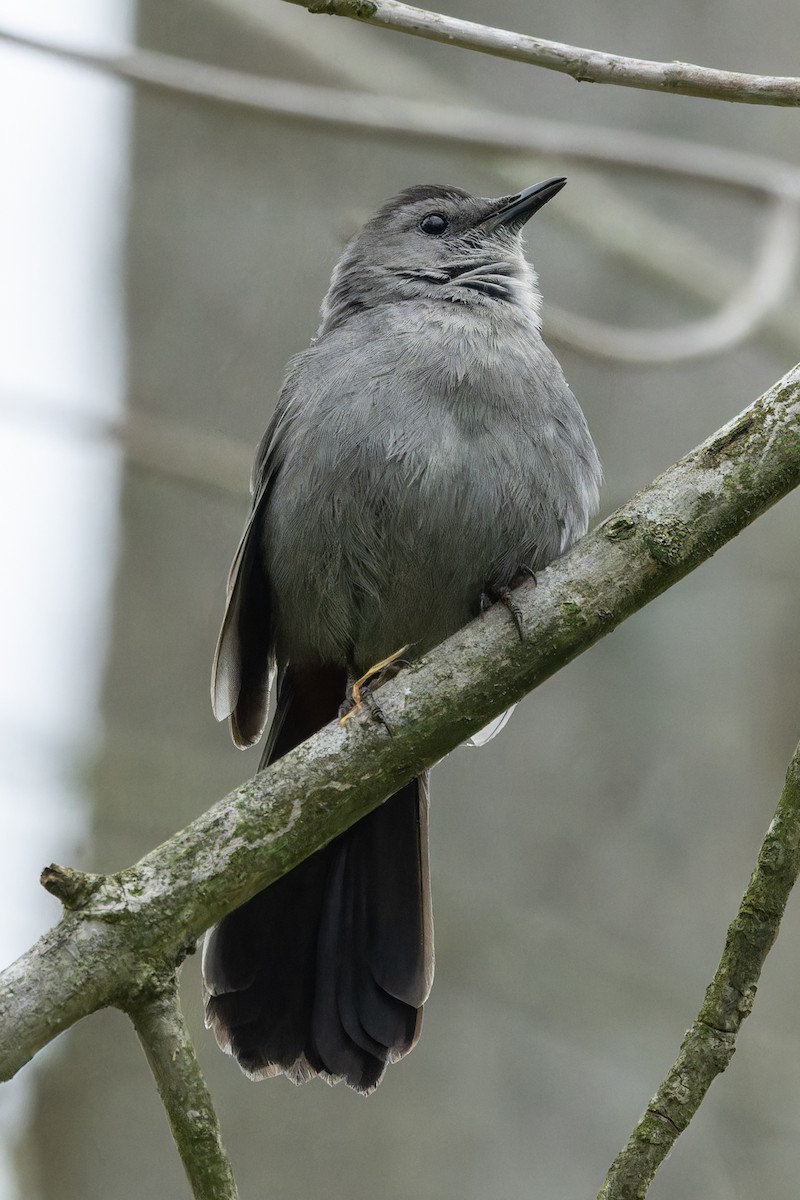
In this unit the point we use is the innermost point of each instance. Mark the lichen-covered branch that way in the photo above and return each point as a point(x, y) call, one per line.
point(157, 1017)
point(123, 928)
point(584, 65)
point(709, 1045)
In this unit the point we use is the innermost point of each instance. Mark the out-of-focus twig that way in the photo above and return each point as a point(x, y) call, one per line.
point(584, 65)
point(601, 208)
point(454, 125)
point(172, 448)
point(709, 1045)
point(761, 294)
point(183, 451)
point(624, 228)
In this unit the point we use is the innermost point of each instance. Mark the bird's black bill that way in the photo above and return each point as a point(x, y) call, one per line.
point(514, 211)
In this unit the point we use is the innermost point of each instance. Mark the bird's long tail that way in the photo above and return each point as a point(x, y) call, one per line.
point(325, 972)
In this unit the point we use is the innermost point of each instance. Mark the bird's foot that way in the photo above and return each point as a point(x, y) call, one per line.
point(505, 596)
point(361, 691)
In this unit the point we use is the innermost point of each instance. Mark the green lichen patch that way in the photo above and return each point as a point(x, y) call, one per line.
point(361, 10)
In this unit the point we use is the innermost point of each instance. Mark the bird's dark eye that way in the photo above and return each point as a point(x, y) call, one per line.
point(434, 224)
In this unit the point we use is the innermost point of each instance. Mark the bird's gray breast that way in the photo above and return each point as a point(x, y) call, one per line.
point(424, 464)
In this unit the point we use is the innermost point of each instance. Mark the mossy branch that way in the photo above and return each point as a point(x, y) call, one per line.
point(121, 934)
point(709, 1045)
point(159, 1022)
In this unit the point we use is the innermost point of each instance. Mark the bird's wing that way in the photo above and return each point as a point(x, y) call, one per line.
point(491, 730)
point(243, 666)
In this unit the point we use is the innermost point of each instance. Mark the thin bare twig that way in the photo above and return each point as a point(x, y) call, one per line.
point(584, 65)
point(709, 1045)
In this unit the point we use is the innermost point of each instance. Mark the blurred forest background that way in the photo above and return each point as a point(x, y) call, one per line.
point(587, 862)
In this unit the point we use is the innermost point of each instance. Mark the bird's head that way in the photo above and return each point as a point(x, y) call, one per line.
point(439, 243)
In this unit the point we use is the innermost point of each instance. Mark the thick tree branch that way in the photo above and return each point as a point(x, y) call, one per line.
point(709, 1045)
point(159, 1022)
point(126, 927)
point(584, 65)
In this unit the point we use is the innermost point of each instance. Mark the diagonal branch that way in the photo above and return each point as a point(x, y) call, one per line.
point(709, 1045)
point(119, 929)
point(584, 65)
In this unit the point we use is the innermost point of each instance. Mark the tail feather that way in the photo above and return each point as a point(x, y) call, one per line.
point(325, 972)
point(400, 937)
point(258, 970)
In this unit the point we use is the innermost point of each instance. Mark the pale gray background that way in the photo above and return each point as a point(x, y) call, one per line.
point(587, 862)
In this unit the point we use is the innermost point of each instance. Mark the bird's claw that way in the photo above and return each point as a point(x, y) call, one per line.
point(505, 596)
point(361, 690)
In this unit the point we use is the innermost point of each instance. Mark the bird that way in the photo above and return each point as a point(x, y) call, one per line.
point(425, 453)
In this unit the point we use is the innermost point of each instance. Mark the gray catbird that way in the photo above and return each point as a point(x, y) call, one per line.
point(425, 453)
